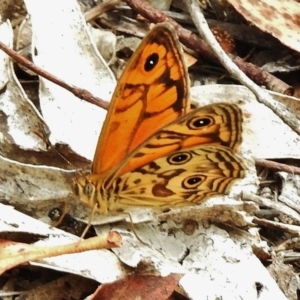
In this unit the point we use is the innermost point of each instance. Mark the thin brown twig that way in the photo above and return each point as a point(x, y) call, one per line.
point(292, 229)
point(99, 9)
point(192, 41)
point(277, 166)
point(78, 92)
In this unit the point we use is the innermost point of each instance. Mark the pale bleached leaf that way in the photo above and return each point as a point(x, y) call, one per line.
point(62, 45)
point(21, 123)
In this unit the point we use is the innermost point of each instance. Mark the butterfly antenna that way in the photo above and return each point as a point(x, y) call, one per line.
point(49, 145)
point(43, 138)
point(67, 161)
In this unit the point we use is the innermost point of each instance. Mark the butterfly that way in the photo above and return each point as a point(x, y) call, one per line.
point(153, 150)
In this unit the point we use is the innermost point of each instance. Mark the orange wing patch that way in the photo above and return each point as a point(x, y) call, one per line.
point(152, 92)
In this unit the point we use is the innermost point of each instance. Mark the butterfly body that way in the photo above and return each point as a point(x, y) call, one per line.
point(152, 151)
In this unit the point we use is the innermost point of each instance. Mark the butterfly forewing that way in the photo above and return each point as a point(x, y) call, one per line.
point(151, 93)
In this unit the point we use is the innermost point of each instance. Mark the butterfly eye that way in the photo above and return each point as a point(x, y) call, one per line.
point(198, 122)
point(192, 182)
point(179, 158)
point(89, 189)
point(151, 62)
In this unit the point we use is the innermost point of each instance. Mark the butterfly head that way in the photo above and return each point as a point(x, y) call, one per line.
point(88, 191)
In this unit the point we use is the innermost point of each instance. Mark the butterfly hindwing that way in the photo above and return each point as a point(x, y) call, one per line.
point(184, 177)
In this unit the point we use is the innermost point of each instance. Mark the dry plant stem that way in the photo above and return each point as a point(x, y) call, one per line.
point(107, 241)
point(272, 204)
point(261, 95)
point(293, 229)
point(78, 92)
point(100, 9)
point(262, 77)
point(277, 166)
point(192, 41)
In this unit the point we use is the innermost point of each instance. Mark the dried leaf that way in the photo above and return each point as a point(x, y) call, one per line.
point(68, 52)
point(277, 17)
point(137, 286)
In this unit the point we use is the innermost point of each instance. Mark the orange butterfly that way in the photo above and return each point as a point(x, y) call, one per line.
point(151, 150)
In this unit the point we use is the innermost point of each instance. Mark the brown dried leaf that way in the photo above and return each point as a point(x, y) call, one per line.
point(136, 286)
point(279, 18)
point(66, 287)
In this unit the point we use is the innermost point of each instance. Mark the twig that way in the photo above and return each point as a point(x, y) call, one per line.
point(271, 204)
point(292, 229)
point(12, 258)
point(78, 92)
point(99, 9)
point(277, 166)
